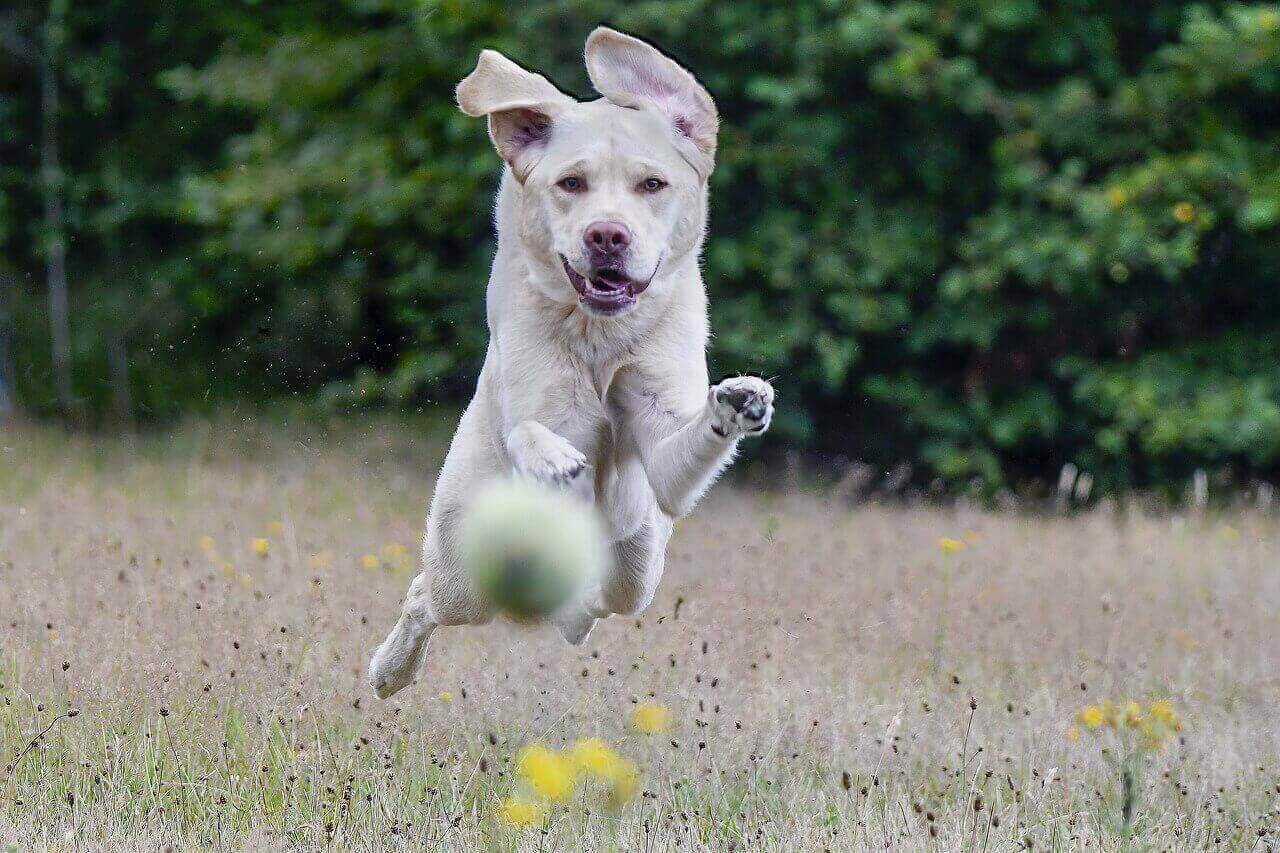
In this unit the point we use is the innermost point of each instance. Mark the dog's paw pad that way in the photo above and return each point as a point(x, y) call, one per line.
point(741, 405)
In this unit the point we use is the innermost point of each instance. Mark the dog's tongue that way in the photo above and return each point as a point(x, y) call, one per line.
point(609, 280)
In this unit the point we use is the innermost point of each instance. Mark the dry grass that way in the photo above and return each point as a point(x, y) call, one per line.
point(821, 663)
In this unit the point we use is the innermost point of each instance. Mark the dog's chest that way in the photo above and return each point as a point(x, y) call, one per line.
point(588, 425)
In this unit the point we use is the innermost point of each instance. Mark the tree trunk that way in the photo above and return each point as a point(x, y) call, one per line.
point(54, 218)
point(7, 393)
point(118, 360)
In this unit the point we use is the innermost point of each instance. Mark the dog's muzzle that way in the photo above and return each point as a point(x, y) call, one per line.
point(607, 290)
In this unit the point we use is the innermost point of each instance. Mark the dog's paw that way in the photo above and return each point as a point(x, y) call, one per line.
point(741, 405)
point(550, 459)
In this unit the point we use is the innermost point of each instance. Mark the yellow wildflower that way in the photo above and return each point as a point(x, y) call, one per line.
point(446, 696)
point(519, 813)
point(547, 772)
point(275, 528)
point(369, 561)
point(53, 633)
point(1091, 716)
point(393, 551)
point(206, 543)
point(1184, 212)
point(228, 569)
point(1132, 714)
point(1162, 710)
point(260, 546)
point(1073, 734)
point(950, 546)
point(649, 718)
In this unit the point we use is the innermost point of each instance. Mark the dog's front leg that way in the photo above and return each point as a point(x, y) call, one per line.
point(682, 464)
point(547, 457)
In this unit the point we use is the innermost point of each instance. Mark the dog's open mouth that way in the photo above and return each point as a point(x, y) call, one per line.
point(605, 291)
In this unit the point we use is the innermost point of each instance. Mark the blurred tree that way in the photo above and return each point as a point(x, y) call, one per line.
point(40, 48)
point(987, 236)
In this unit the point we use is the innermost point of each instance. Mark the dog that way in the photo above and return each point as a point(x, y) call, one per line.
point(595, 378)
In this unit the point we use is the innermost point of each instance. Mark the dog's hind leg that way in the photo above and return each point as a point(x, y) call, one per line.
point(629, 586)
point(639, 561)
point(441, 595)
point(397, 660)
point(575, 625)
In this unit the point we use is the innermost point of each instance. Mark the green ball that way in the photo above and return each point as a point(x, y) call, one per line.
point(530, 550)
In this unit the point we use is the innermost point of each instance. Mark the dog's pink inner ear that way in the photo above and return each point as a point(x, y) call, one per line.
point(529, 127)
point(520, 134)
point(625, 69)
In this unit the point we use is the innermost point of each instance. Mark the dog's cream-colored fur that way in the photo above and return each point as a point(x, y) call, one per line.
point(616, 407)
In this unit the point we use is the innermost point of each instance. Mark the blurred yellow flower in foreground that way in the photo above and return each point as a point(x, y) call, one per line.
point(548, 776)
point(548, 773)
point(950, 546)
point(520, 813)
point(206, 543)
point(649, 718)
point(260, 546)
point(369, 561)
point(446, 696)
point(595, 757)
point(1184, 212)
point(275, 528)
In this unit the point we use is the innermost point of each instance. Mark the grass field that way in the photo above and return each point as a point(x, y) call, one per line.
point(835, 679)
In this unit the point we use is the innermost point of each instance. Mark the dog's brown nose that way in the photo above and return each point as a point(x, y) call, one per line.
point(607, 238)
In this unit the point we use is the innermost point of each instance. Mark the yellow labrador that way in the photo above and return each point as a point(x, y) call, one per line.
point(595, 378)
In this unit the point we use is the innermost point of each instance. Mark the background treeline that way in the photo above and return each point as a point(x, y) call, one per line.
point(986, 236)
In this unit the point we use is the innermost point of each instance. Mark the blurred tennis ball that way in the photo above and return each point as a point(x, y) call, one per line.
point(530, 550)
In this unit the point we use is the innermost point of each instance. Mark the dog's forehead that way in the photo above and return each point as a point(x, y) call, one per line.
point(601, 127)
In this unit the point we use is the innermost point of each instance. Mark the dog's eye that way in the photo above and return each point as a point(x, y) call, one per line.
point(572, 184)
point(652, 185)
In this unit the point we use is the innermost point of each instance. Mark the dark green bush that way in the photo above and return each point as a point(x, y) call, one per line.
point(988, 236)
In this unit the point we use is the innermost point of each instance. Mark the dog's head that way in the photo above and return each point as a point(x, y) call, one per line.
point(613, 190)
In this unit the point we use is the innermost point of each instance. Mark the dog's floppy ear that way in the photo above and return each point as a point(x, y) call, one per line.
point(625, 69)
point(521, 106)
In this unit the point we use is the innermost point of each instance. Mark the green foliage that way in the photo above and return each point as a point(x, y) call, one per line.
point(989, 236)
